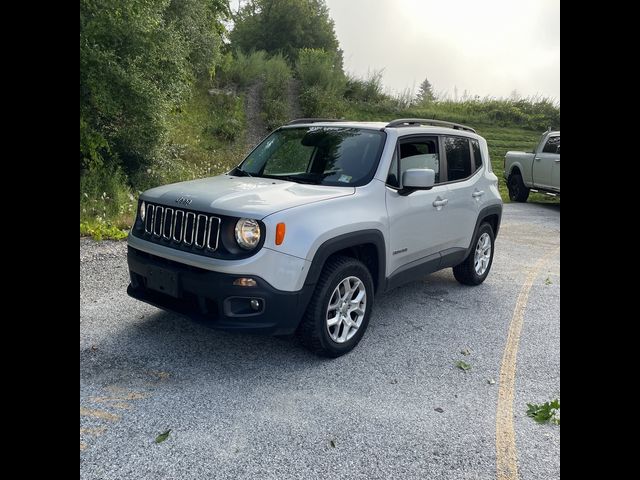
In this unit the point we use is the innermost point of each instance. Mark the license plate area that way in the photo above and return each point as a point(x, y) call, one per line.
point(163, 281)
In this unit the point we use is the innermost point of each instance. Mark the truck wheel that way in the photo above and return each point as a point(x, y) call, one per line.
point(518, 191)
point(339, 311)
point(475, 268)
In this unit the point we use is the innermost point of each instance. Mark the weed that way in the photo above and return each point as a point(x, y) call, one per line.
point(462, 365)
point(546, 412)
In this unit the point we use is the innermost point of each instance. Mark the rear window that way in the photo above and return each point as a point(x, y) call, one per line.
point(458, 158)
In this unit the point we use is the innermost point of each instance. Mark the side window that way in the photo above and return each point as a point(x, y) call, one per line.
point(458, 158)
point(552, 146)
point(477, 157)
point(392, 178)
point(420, 153)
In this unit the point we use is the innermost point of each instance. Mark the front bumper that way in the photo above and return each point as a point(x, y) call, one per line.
point(210, 297)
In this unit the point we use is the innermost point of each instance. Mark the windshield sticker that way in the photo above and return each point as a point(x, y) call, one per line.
point(345, 178)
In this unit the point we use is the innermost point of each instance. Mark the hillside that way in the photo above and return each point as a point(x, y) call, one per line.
point(218, 127)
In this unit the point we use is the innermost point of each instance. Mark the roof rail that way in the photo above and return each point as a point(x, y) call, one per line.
point(313, 120)
point(407, 122)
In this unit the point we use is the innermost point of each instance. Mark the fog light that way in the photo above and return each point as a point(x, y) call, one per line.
point(255, 304)
point(244, 282)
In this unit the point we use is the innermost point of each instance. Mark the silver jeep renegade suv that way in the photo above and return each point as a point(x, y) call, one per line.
point(320, 217)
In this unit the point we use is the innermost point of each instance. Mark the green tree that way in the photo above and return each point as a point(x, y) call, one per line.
point(138, 62)
point(425, 94)
point(285, 26)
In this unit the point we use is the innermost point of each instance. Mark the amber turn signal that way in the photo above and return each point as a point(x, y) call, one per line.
point(280, 230)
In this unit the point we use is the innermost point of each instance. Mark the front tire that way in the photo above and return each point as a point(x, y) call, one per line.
point(475, 268)
point(518, 191)
point(340, 308)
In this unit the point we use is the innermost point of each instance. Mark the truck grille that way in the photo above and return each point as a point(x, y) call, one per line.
point(183, 227)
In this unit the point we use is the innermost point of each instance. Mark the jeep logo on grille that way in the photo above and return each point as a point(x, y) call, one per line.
point(183, 201)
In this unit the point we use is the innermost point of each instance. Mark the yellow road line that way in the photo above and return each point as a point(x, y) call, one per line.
point(506, 453)
point(121, 395)
point(90, 412)
point(96, 431)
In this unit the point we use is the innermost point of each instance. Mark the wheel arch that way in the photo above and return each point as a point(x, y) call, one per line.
point(368, 246)
point(515, 168)
point(492, 214)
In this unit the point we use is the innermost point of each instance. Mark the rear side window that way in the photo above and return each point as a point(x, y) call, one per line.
point(458, 158)
point(552, 146)
point(477, 157)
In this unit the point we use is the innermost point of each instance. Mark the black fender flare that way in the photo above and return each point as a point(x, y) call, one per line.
point(347, 240)
point(484, 213)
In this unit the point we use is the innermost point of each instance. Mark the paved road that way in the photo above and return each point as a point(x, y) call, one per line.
point(242, 406)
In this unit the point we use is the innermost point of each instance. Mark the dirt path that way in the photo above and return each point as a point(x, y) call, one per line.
point(293, 98)
point(256, 127)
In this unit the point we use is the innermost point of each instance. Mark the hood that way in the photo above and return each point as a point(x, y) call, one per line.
point(242, 196)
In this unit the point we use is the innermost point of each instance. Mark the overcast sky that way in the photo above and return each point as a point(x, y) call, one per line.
point(487, 47)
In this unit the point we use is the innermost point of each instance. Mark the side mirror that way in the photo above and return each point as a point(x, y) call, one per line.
point(417, 179)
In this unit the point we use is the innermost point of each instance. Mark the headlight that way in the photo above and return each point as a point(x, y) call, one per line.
point(143, 210)
point(247, 233)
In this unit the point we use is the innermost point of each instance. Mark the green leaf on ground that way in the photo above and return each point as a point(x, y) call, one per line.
point(547, 281)
point(545, 412)
point(463, 365)
point(163, 436)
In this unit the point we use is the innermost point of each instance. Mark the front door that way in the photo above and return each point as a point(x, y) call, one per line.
point(416, 221)
point(544, 162)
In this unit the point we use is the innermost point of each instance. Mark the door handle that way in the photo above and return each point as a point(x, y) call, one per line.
point(477, 194)
point(557, 160)
point(440, 203)
point(537, 158)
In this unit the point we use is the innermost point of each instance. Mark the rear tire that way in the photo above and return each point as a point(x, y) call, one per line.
point(475, 268)
point(518, 191)
point(340, 308)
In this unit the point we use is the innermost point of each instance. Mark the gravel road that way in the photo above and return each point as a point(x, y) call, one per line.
point(251, 407)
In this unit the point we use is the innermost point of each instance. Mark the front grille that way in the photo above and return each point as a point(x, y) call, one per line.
point(182, 227)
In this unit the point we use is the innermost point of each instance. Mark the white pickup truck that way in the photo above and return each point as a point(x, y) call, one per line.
point(538, 170)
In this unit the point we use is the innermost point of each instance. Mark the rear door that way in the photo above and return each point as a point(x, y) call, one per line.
point(463, 172)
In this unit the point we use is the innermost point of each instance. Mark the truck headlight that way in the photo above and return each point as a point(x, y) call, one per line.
point(247, 233)
point(143, 210)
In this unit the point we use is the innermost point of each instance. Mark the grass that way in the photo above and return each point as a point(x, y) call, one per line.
point(102, 230)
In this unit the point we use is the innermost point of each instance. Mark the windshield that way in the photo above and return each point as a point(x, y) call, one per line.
point(335, 156)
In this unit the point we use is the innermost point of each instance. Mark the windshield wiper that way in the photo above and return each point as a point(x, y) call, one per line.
point(292, 178)
point(241, 173)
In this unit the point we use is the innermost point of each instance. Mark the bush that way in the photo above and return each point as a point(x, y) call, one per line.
point(105, 196)
point(317, 68)
point(138, 61)
point(277, 77)
point(323, 83)
point(317, 102)
point(244, 70)
point(365, 90)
